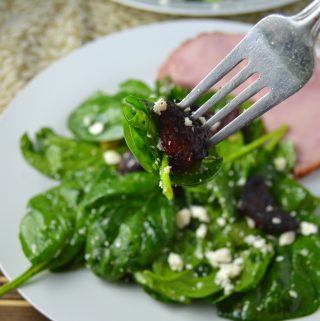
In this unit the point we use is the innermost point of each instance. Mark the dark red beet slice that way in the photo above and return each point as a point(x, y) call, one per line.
point(182, 143)
point(257, 203)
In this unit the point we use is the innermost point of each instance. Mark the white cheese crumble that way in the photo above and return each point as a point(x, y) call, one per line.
point(307, 228)
point(200, 213)
point(159, 145)
point(225, 274)
point(198, 254)
point(189, 266)
point(201, 231)
point(82, 231)
point(276, 220)
point(269, 208)
point(259, 243)
point(241, 181)
point(215, 126)
point(293, 294)
point(175, 262)
point(183, 218)
point(203, 120)
point(96, 128)
point(238, 260)
point(87, 120)
point(159, 106)
point(33, 248)
point(220, 256)
point(250, 222)
point(304, 252)
point(167, 169)
point(221, 221)
point(287, 238)
point(187, 121)
point(280, 163)
point(111, 157)
point(279, 258)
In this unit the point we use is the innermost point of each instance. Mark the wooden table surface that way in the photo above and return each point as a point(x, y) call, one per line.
point(14, 308)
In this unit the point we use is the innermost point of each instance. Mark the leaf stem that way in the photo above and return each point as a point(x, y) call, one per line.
point(270, 138)
point(25, 276)
point(165, 178)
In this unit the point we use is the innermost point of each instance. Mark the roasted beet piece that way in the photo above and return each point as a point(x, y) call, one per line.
point(184, 142)
point(257, 203)
point(129, 164)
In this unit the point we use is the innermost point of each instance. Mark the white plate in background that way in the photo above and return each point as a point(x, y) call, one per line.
point(205, 8)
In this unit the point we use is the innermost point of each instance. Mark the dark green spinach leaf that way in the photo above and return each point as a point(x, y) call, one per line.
point(59, 157)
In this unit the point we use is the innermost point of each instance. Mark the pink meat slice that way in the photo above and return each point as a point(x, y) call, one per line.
point(190, 62)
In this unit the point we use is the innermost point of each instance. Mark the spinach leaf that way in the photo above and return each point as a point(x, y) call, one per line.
point(128, 222)
point(129, 236)
point(290, 288)
point(46, 231)
point(98, 109)
point(59, 157)
point(48, 224)
point(137, 88)
point(140, 134)
point(104, 110)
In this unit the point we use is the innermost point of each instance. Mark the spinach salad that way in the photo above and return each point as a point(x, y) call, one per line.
point(232, 227)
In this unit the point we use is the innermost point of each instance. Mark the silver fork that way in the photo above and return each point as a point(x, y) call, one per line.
point(281, 50)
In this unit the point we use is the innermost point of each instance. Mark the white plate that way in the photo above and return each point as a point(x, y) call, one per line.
point(202, 8)
point(46, 101)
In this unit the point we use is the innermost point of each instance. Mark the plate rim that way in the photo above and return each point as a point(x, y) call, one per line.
point(214, 12)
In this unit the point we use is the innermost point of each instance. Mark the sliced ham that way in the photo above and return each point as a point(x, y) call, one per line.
point(190, 62)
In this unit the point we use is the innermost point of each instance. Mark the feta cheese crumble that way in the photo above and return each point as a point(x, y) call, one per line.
point(259, 243)
point(250, 222)
point(33, 249)
point(280, 163)
point(276, 220)
point(175, 262)
point(87, 120)
point(220, 256)
point(111, 157)
point(203, 120)
point(167, 169)
point(287, 238)
point(221, 221)
point(183, 218)
point(293, 294)
point(200, 213)
point(307, 228)
point(224, 276)
point(159, 106)
point(269, 208)
point(201, 231)
point(96, 129)
point(187, 121)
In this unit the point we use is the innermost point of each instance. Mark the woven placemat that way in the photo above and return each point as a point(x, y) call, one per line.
point(34, 33)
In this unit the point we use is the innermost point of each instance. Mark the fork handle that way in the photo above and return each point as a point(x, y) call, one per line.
point(310, 18)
